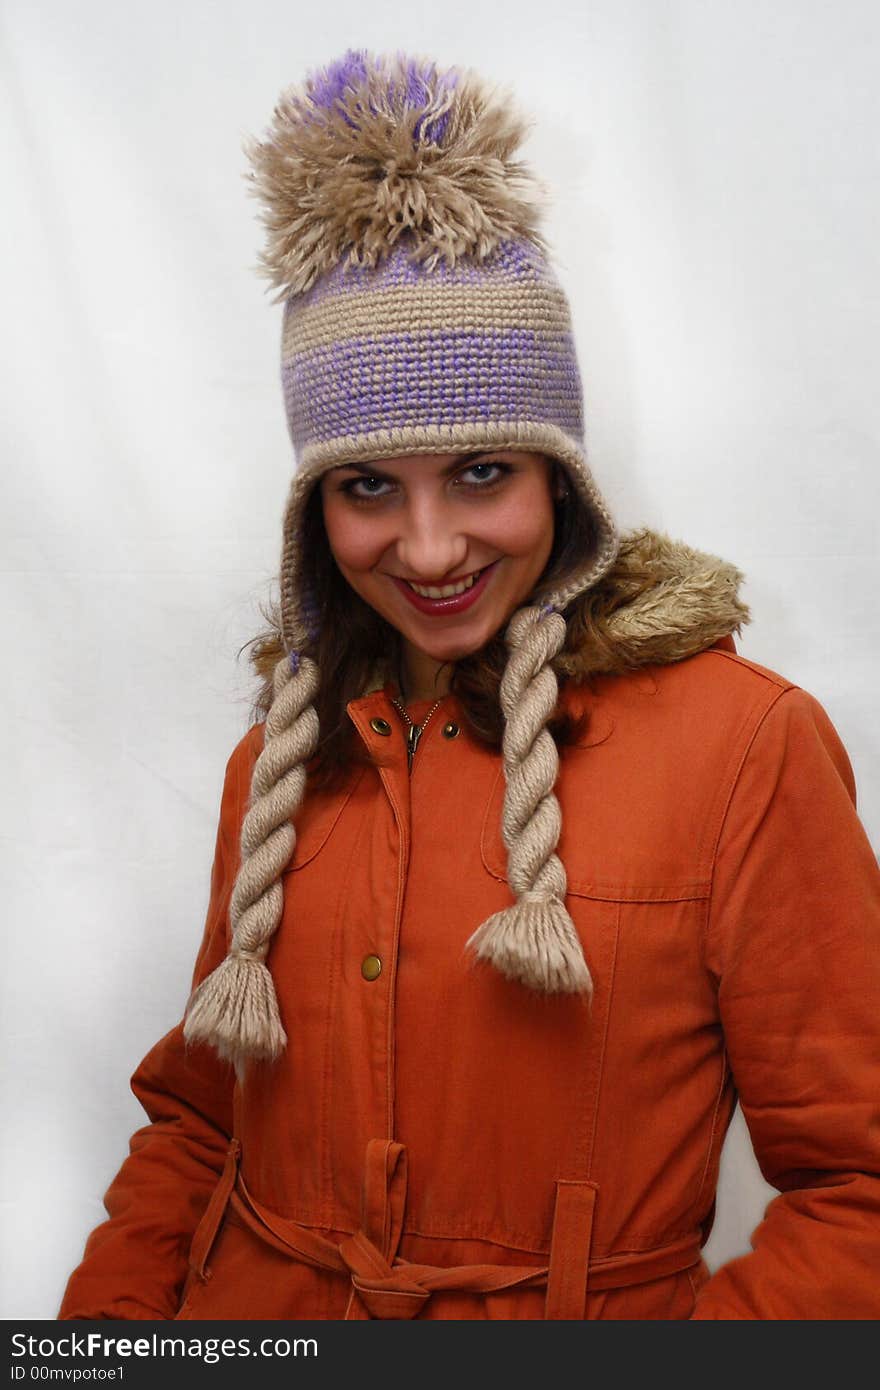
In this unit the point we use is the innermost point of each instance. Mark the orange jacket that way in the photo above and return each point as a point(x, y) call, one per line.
point(438, 1141)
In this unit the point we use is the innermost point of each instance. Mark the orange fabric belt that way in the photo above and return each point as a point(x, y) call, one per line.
point(384, 1286)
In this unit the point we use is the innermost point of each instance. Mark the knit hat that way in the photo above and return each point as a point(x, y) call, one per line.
point(421, 315)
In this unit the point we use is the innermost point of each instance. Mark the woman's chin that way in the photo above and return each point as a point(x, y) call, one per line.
point(452, 649)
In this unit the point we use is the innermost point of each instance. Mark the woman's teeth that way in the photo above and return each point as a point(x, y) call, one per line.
point(448, 589)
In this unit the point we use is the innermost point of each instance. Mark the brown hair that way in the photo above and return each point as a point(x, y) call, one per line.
point(355, 646)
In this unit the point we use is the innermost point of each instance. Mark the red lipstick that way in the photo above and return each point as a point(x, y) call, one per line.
point(440, 607)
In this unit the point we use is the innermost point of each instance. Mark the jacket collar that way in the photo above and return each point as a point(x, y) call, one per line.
point(660, 602)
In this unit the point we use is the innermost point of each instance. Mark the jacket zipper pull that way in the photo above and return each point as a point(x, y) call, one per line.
point(413, 734)
point(413, 731)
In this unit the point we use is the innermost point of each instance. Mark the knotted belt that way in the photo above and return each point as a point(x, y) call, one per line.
point(385, 1286)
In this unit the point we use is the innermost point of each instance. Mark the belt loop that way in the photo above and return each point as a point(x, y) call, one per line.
point(209, 1225)
point(570, 1250)
point(384, 1195)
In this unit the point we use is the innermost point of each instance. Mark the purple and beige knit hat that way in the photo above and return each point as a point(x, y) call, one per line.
point(421, 315)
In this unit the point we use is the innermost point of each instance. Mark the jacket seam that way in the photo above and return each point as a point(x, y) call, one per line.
point(328, 1193)
point(739, 660)
point(726, 812)
point(699, 892)
point(327, 830)
point(713, 1129)
point(403, 862)
point(593, 1120)
point(516, 1240)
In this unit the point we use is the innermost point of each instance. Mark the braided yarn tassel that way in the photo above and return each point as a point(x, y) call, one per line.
point(235, 1009)
point(534, 941)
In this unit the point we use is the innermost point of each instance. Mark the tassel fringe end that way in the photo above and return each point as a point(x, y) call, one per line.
point(235, 1010)
point(535, 943)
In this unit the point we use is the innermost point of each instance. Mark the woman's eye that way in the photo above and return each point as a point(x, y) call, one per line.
point(485, 474)
point(364, 489)
point(477, 477)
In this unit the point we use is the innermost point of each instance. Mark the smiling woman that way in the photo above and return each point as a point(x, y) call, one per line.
point(523, 874)
point(354, 629)
point(444, 549)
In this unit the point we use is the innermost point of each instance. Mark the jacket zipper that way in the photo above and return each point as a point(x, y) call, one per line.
point(414, 731)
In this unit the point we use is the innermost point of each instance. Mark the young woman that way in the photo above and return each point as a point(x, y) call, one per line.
point(523, 874)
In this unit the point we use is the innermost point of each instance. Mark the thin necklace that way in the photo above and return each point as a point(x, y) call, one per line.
point(414, 731)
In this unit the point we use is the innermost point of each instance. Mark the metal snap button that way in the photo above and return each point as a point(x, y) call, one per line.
point(451, 730)
point(371, 967)
point(381, 726)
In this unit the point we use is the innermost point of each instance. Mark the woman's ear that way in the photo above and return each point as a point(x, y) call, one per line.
point(559, 483)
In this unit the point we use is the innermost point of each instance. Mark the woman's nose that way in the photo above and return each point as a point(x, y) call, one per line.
point(429, 546)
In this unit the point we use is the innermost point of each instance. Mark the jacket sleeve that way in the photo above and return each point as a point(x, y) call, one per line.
point(136, 1262)
point(793, 938)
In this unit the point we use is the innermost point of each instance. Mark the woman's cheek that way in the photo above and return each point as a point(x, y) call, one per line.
point(524, 531)
point(356, 541)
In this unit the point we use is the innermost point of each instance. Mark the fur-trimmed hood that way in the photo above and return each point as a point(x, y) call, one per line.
point(661, 601)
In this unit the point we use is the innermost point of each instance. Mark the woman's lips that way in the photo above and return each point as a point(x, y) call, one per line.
point(457, 603)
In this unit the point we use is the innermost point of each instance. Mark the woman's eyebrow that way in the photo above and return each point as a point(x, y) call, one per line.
point(372, 470)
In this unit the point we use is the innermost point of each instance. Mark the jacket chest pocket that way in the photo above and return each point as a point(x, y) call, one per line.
point(316, 819)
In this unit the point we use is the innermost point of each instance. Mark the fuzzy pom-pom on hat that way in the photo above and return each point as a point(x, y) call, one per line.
point(370, 149)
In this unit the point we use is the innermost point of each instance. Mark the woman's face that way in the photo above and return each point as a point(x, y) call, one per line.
point(435, 521)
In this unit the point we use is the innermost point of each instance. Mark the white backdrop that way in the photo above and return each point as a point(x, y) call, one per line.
point(715, 222)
